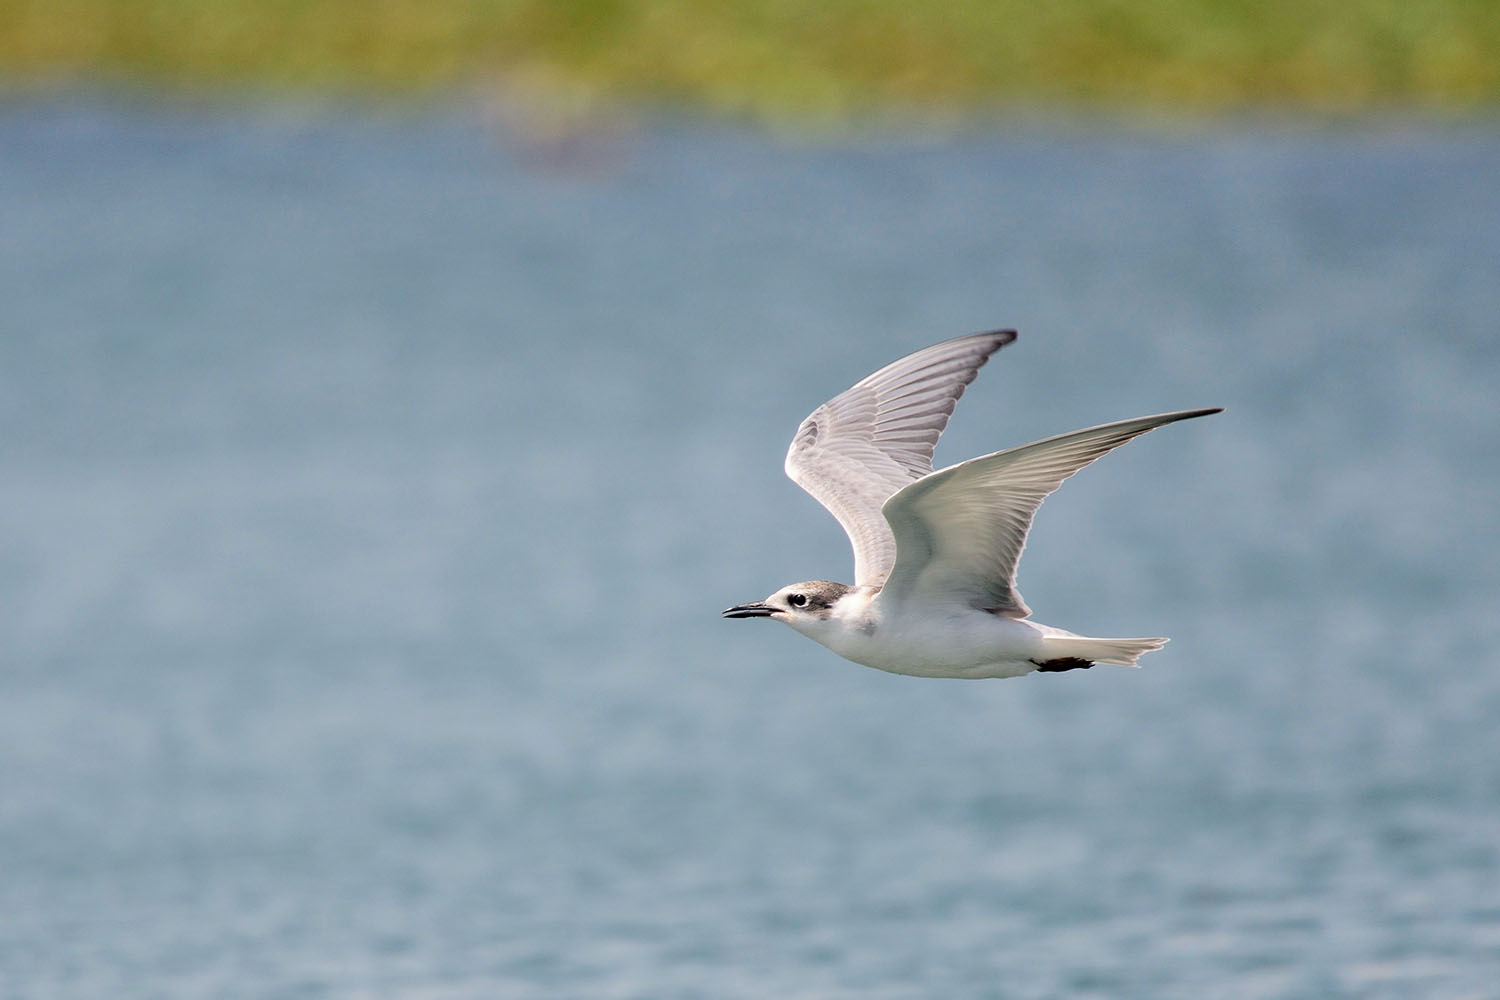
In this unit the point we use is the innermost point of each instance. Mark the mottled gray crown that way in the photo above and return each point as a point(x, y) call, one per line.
point(821, 594)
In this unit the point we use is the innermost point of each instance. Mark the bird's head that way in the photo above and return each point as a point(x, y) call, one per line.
point(804, 606)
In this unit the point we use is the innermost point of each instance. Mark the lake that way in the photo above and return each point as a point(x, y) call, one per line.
point(371, 481)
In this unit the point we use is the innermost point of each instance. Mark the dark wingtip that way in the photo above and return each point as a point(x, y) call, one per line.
point(1191, 414)
point(997, 339)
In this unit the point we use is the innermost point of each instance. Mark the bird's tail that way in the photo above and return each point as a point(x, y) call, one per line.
point(1122, 651)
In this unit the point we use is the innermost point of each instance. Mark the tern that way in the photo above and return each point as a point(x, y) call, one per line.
point(935, 553)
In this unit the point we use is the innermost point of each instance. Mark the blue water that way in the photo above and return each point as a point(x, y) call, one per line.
point(371, 482)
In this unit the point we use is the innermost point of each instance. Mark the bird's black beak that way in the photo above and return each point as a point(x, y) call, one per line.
point(755, 609)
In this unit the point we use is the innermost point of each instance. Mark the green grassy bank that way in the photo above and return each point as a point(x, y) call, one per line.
point(792, 57)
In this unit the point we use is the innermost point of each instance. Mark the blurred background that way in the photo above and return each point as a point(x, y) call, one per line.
point(392, 394)
point(774, 58)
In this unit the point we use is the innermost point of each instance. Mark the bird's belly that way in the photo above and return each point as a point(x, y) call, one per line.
point(963, 644)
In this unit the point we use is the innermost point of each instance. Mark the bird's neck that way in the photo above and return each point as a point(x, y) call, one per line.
point(853, 610)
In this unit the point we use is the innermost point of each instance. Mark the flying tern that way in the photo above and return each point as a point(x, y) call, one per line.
point(935, 553)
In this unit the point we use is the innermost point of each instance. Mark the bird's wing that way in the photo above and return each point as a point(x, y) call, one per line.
point(959, 532)
point(866, 443)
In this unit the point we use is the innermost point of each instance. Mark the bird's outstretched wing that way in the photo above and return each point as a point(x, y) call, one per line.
point(959, 532)
point(866, 443)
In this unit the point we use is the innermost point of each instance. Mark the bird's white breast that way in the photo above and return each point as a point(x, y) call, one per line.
point(952, 641)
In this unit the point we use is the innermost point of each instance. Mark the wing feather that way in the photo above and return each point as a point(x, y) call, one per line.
point(959, 532)
point(876, 437)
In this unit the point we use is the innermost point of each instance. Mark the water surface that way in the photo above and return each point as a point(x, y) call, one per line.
point(370, 486)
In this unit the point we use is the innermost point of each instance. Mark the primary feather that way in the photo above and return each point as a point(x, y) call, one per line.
point(959, 532)
point(856, 450)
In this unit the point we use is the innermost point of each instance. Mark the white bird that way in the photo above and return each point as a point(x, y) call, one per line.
point(935, 553)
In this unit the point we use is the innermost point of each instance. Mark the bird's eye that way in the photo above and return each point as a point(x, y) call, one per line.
point(797, 600)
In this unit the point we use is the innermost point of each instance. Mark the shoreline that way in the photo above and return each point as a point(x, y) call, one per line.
point(855, 61)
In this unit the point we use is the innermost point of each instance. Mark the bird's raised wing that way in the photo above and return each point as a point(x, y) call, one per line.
point(866, 443)
point(959, 532)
